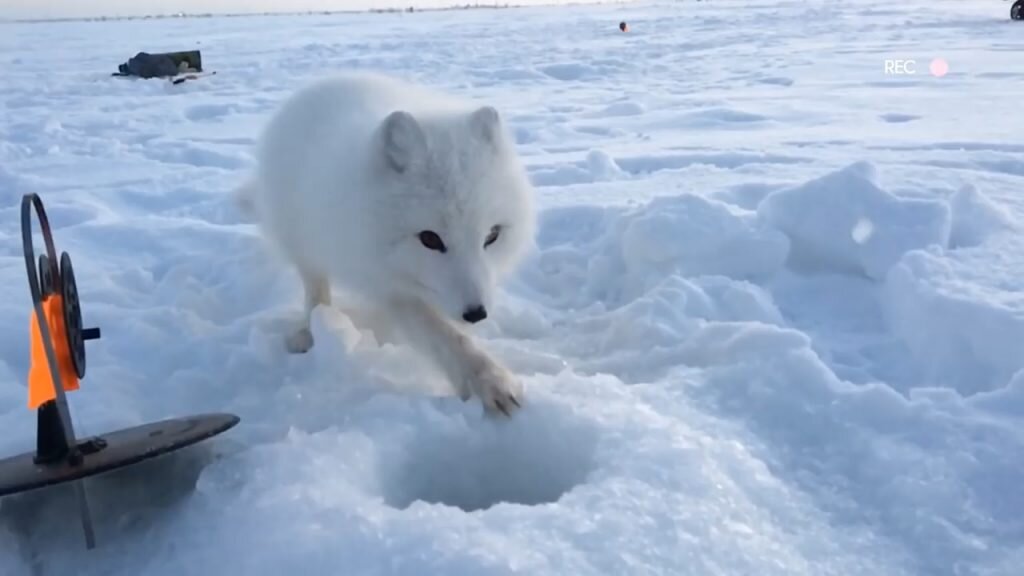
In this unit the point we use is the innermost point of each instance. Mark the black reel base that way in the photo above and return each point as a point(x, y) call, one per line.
point(111, 451)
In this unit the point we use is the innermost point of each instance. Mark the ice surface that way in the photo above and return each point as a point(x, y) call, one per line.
point(772, 326)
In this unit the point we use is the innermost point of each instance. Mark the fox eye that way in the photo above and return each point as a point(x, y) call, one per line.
point(431, 240)
point(493, 236)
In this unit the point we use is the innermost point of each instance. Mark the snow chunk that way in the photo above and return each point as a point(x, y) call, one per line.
point(961, 314)
point(687, 235)
point(699, 236)
point(602, 166)
point(1008, 400)
point(976, 218)
point(642, 340)
point(844, 222)
point(923, 475)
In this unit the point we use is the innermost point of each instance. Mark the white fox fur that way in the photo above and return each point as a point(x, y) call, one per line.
point(411, 199)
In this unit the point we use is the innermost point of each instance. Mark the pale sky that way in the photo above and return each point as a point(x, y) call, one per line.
point(80, 8)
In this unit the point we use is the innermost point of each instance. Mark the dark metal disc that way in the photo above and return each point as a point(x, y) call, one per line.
point(114, 450)
point(45, 276)
point(72, 314)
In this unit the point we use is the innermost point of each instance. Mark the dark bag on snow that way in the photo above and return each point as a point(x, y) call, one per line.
point(146, 65)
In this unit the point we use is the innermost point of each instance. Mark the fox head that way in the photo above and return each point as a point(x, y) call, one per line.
point(461, 205)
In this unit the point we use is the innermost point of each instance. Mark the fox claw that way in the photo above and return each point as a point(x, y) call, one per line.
point(496, 388)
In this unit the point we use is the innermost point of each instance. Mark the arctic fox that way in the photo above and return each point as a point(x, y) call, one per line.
point(409, 198)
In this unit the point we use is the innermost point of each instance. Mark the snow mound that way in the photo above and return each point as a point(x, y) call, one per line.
point(697, 236)
point(643, 339)
point(908, 470)
point(844, 222)
point(619, 255)
point(1007, 401)
point(961, 313)
point(976, 218)
point(603, 167)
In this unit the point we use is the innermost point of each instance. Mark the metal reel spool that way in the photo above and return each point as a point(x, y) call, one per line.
point(72, 309)
point(73, 316)
point(46, 286)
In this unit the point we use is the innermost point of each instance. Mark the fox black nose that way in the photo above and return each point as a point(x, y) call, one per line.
point(474, 314)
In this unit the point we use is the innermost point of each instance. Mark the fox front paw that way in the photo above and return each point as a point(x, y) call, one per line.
point(299, 342)
point(497, 388)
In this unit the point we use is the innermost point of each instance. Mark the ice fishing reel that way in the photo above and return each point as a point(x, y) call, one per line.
point(1017, 10)
point(70, 309)
point(57, 364)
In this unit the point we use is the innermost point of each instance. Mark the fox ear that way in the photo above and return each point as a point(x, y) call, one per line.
point(403, 139)
point(486, 123)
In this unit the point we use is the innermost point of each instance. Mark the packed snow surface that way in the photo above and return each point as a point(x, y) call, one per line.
point(774, 323)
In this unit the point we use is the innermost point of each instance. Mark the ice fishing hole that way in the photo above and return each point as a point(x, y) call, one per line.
point(534, 459)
